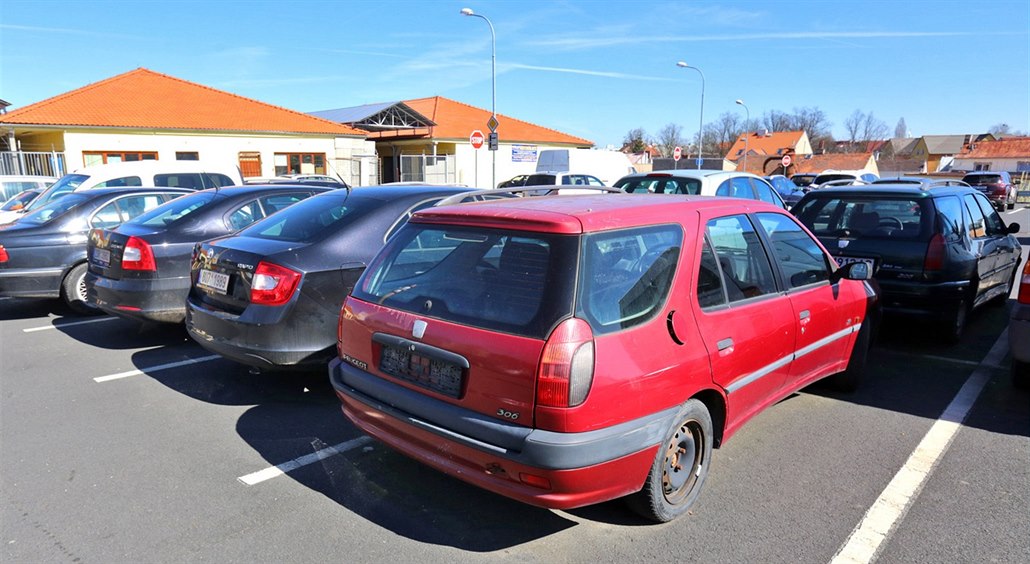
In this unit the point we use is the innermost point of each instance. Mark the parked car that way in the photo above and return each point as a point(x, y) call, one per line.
point(828, 178)
point(563, 351)
point(936, 253)
point(43, 254)
point(514, 182)
point(11, 184)
point(788, 191)
point(997, 186)
point(141, 269)
point(921, 181)
point(702, 182)
point(13, 206)
point(1019, 332)
point(803, 179)
point(195, 175)
point(268, 296)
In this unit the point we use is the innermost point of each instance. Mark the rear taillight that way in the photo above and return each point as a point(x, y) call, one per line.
point(1024, 283)
point(934, 254)
point(566, 366)
point(273, 284)
point(138, 255)
point(3, 254)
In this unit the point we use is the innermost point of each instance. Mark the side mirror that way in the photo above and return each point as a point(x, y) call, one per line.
point(1013, 228)
point(853, 271)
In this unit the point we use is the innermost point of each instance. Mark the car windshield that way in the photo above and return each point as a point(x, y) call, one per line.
point(313, 218)
point(982, 179)
point(167, 214)
point(865, 217)
point(66, 185)
point(18, 201)
point(802, 180)
point(822, 178)
point(660, 184)
point(55, 209)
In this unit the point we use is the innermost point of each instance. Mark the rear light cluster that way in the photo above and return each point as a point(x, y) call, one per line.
point(935, 254)
point(1024, 285)
point(3, 254)
point(566, 366)
point(138, 255)
point(273, 284)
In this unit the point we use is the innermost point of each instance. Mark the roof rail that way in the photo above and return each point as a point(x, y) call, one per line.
point(550, 191)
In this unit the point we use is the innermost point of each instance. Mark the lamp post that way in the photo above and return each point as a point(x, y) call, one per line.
point(493, 90)
point(747, 134)
point(700, 127)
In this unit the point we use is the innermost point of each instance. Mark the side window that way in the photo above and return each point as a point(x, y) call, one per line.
point(133, 206)
point(949, 217)
point(106, 217)
point(977, 222)
point(245, 215)
point(746, 271)
point(276, 202)
point(736, 187)
point(594, 181)
point(798, 255)
point(190, 180)
point(709, 280)
point(765, 192)
point(724, 189)
point(995, 226)
point(618, 291)
point(120, 182)
point(217, 180)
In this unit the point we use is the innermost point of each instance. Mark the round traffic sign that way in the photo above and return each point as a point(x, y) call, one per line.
point(476, 139)
point(677, 153)
point(785, 161)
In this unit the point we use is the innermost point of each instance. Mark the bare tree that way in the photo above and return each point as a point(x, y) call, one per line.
point(813, 122)
point(861, 126)
point(636, 140)
point(670, 137)
point(901, 130)
point(723, 132)
point(775, 120)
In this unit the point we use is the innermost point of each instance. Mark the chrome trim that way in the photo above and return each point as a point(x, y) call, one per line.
point(769, 368)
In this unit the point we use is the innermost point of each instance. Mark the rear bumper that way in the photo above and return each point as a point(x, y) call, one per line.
point(270, 344)
point(31, 282)
point(581, 468)
point(1019, 332)
point(936, 301)
point(152, 299)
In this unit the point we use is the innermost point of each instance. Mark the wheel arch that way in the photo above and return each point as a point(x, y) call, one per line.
point(716, 404)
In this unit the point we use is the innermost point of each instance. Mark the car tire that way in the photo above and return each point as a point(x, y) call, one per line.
point(671, 488)
point(849, 380)
point(73, 291)
point(1021, 374)
point(956, 322)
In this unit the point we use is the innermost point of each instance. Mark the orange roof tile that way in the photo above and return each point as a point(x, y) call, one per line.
point(832, 161)
point(143, 98)
point(758, 144)
point(457, 120)
point(1007, 148)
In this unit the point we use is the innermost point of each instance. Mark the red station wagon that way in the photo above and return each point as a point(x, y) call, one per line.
point(568, 350)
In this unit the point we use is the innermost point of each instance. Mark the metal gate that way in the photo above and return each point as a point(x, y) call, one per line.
point(431, 169)
point(33, 163)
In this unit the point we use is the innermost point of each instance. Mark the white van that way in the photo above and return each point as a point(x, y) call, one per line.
point(609, 166)
point(196, 175)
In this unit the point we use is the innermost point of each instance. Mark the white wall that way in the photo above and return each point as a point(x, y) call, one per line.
point(1009, 165)
point(466, 159)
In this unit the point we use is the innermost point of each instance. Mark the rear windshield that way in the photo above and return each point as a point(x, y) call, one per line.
point(982, 179)
point(175, 210)
point(867, 217)
point(662, 185)
point(802, 180)
point(540, 180)
point(313, 218)
point(515, 282)
point(831, 177)
point(65, 185)
point(55, 209)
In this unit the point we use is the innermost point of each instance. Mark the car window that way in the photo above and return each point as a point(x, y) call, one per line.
point(175, 210)
point(709, 279)
point(977, 222)
point(744, 265)
point(626, 275)
point(949, 217)
point(799, 257)
point(245, 215)
point(119, 182)
point(312, 218)
point(275, 202)
point(540, 180)
point(765, 192)
point(55, 209)
point(125, 208)
point(407, 215)
point(593, 181)
point(736, 187)
point(662, 185)
point(864, 217)
point(995, 226)
point(191, 180)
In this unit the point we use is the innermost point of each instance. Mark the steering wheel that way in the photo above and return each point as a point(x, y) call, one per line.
point(647, 259)
point(889, 220)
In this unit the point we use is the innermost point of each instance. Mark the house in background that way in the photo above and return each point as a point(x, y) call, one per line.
point(145, 115)
point(766, 149)
point(1010, 154)
point(864, 162)
point(895, 158)
point(428, 139)
point(938, 151)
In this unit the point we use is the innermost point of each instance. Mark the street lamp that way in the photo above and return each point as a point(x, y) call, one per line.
point(700, 127)
point(493, 88)
point(747, 133)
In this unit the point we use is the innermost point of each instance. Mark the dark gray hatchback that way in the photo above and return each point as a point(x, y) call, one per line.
point(936, 253)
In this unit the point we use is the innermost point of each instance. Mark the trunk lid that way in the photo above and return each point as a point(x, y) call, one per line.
point(222, 270)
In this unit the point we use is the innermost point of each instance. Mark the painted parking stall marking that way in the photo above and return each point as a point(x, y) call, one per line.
point(888, 510)
point(291, 465)
point(159, 367)
point(63, 325)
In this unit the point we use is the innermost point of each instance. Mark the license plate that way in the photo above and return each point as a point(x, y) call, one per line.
point(102, 257)
point(841, 261)
point(214, 281)
point(437, 375)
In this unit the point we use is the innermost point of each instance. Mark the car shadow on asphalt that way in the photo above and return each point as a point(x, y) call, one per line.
point(32, 308)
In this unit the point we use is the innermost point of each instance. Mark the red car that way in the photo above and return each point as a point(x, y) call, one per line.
point(997, 186)
point(568, 350)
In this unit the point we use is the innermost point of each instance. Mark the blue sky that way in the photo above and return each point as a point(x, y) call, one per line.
point(594, 69)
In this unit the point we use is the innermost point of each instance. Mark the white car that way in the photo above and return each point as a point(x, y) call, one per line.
point(702, 182)
point(11, 184)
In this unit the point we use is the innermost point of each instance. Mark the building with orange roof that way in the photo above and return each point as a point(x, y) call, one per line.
point(144, 115)
point(1010, 154)
point(761, 144)
point(429, 139)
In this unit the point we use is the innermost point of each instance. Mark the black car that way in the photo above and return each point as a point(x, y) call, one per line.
point(43, 254)
point(936, 252)
point(141, 269)
point(787, 190)
point(270, 295)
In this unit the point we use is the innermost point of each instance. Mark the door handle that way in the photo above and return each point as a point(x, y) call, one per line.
point(804, 314)
point(725, 344)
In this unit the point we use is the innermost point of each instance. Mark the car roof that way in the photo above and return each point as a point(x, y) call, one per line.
point(101, 192)
point(583, 213)
point(248, 188)
point(909, 190)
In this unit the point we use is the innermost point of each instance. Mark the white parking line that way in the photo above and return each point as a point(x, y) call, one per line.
point(63, 325)
point(157, 368)
point(280, 469)
point(888, 510)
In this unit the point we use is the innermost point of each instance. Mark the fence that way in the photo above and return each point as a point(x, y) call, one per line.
point(25, 162)
point(431, 169)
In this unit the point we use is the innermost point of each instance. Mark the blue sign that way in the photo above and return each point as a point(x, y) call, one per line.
point(699, 161)
point(523, 153)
